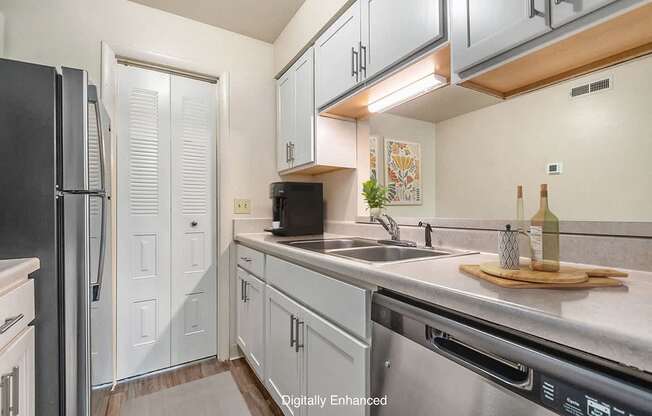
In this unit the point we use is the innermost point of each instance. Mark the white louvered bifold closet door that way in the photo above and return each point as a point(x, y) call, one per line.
point(143, 199)
point(193, 262)
point(167, 266)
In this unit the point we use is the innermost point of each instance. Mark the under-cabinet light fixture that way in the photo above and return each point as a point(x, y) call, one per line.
point(410, 91)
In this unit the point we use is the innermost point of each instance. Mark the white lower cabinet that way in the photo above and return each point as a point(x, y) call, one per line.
point(309, 357)
point(17, 375)
point(281, 353)
point(250, 324)
point(334, 365)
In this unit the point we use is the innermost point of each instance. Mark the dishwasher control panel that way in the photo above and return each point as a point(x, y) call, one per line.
point(567, 400)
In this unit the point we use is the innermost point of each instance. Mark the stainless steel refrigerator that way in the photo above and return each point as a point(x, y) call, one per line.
point(55, 205)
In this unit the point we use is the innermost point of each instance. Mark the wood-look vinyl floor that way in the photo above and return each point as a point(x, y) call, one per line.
point(105, 402)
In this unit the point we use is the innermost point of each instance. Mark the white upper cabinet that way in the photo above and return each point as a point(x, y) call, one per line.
point(371, 37)
point(286, 114)
point(392, 30)
point(564, 11)
point(302, 145)
point(337, 56)
point(296, 114)
point(307, 142)
point(482, 29)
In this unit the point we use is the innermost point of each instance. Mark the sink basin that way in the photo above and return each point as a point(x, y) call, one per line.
point(389, 253)
point(371, 251)
point(332, 244)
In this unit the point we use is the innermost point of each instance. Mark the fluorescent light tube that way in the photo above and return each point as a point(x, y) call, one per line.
point(407, 93)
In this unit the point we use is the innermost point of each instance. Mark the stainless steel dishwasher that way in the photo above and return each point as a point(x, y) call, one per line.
point(432, 361)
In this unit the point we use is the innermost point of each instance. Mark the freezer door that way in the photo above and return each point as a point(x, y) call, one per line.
point(85, 135)
point(74, 124)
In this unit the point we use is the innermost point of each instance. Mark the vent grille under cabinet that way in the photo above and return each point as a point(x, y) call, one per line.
point(591, 87)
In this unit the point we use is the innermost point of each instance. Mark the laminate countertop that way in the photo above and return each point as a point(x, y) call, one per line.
point(613, 323)
point(14, 271)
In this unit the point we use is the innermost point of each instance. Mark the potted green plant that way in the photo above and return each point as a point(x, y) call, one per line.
point(375, 195)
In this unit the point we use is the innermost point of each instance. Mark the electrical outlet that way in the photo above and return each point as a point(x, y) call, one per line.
point(242, 206)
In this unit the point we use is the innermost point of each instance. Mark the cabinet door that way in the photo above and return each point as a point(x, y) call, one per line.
point(17, 375)
point(482, 29)
point(391, 30)
point(337, 57)
point(334, 363)
point(254, 300)
point(564, 11)
point(241, 331)
point(282, 369)
point(286, 122)
point(302, 151)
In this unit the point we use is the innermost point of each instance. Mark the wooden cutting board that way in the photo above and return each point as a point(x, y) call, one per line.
point(605, 273)
point(474, 270)
point(564, 275)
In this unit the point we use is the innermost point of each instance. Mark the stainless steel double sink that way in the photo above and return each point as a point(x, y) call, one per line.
point(371, 251)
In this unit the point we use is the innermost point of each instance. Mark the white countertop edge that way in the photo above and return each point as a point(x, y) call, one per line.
point(15, 271)
point(621, 347)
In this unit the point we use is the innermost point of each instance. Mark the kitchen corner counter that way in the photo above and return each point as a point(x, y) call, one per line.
point(15, 271)
point(613, 323)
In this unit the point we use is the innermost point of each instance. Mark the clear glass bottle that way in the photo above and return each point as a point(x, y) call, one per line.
point(520, 211)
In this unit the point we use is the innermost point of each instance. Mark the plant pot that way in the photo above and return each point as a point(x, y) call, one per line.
point(375, 213)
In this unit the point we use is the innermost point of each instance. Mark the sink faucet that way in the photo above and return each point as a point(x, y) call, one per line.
point(428, 228)
point(391, 226)
point(394, 231)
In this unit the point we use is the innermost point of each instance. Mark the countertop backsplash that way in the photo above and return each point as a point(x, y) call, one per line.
point(633, 253)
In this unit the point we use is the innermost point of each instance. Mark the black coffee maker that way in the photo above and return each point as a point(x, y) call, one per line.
point(298, 208)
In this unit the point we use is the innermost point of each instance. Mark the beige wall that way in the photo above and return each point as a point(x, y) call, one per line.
point(2, 34)
point(302, 28)
point(604, 142)
point(69, 32)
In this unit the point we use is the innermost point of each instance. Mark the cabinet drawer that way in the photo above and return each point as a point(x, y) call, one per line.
point(16, 311)
point(18, 373)
point(342, 303)
point(251, 260)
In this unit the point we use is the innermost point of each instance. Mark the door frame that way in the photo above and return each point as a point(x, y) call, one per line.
point(109, 58)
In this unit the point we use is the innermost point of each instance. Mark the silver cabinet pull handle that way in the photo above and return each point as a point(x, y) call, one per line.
point(287, 152)
point(4, 397)
point(363, 60)
point(246, 259)
point(354, 62)
point(534, 12)
point(15, 391)
point(292, 318)
point(9, 322)
point(246, 299)
point(10, 385)
point(242, 290)
point(296, 330)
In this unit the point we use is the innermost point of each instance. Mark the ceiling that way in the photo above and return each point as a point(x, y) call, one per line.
point(258, 19)
point(444, 103)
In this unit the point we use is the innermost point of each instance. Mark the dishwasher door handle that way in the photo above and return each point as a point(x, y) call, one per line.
point(498, 368)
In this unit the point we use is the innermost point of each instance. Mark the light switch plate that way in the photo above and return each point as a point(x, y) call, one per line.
point(242, 206)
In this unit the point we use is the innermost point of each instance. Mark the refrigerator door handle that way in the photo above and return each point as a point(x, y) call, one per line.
point(97, 286)
point(94, 99)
